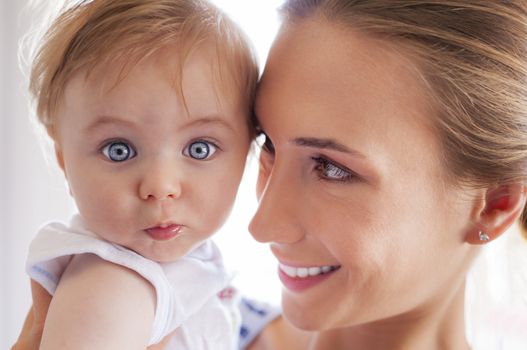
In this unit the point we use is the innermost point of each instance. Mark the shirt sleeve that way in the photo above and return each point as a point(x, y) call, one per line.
point(256, 315)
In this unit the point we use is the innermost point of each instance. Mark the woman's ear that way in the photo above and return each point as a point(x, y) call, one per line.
point(500, 208)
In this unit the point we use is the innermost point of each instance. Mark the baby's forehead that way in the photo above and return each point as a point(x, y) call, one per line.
point(182, 71)
point(154, 87)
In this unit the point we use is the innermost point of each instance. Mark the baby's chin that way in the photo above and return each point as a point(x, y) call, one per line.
point(162, 255)
point(165, 252)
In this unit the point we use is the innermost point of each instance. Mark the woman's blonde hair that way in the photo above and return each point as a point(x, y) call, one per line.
point(473, 56)
point(89, 34)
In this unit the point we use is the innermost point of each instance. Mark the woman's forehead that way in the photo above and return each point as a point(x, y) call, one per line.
point(322, 66)
point(329, 83)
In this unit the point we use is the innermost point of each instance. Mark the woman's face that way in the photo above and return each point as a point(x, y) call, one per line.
point(352, 189)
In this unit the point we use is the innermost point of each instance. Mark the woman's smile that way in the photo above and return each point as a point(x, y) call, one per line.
point(300, 278)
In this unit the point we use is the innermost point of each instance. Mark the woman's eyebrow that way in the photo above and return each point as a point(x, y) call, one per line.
point(325, 143)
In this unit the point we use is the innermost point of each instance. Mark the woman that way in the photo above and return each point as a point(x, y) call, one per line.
point(396, 146)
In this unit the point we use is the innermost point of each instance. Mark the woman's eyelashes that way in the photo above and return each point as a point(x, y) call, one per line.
point(267, 144)
point(118, 151)
point(324, 168)
point(331, 171)
point(267, 152)
point(200, 149)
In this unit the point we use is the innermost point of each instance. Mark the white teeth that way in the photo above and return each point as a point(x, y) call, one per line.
point(313, 271)
point(288, 270)
point(303, 272)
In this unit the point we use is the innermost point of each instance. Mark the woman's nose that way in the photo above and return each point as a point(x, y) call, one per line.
point(277, 218)
point(160, 180)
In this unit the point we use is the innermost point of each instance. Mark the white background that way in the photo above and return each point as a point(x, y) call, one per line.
point(32, 190)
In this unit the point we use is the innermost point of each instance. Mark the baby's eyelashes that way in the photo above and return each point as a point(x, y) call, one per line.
point(118, 151)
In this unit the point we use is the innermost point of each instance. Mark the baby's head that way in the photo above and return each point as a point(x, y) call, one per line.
point(149, 105)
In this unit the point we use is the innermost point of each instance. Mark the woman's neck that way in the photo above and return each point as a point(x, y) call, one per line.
point(438, 325)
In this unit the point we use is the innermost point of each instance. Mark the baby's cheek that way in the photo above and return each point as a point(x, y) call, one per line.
point(106, 213)
point(219, 205)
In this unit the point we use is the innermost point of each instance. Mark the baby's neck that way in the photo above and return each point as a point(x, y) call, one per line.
point(439, 325)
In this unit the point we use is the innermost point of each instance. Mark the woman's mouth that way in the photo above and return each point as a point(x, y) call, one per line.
point(164, 232)
point(298, 279)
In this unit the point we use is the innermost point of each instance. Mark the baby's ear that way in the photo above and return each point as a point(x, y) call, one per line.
point(59, 157)
point(500, 208)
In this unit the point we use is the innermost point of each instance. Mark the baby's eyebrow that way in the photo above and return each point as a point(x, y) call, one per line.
point(208, 120)
point(107, 120)
point(194, 121)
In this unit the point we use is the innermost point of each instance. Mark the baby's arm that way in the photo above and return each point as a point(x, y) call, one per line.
point(99, 305)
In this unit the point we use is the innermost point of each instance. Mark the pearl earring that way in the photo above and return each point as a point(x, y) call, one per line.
point(483, 237)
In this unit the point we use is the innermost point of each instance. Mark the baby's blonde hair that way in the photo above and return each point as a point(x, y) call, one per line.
point(94, 33)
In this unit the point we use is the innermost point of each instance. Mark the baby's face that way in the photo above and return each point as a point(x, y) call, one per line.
point(147, 170)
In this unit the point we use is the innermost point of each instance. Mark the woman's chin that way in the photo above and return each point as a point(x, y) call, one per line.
point(305, 316)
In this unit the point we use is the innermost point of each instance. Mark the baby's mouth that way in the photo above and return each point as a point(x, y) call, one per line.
point(164, 232)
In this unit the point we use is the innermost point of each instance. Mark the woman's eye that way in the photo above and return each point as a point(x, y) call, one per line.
point(118, 151)
point(200, 150)
point(267, 144)
point(327, 170)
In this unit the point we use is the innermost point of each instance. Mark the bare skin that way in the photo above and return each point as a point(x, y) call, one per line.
point(31, 333)
point(282, 335)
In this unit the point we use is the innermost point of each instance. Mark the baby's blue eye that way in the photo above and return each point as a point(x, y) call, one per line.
point(200, 150)
point(118, 151)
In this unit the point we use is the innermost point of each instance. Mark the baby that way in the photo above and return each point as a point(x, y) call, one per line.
point(148, 104)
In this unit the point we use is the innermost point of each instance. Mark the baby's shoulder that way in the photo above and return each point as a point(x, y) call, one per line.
point(101, 274)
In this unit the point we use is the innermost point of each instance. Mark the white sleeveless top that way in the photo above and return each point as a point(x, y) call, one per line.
point(187, 290)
